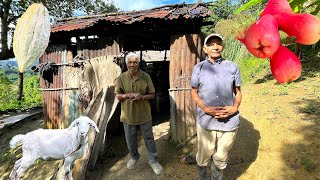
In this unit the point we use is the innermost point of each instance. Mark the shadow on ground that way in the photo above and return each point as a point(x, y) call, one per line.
point(112, 165)
point(244, 151)
point(302, 159)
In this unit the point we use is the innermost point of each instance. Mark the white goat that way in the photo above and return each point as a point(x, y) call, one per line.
point(68, 144)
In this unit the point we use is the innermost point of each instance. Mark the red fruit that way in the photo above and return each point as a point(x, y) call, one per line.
point(262, 38)
point(305, 27)
point(285, 65)
point(276, 6)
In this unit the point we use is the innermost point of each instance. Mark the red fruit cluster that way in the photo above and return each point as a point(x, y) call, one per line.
point(262, 38)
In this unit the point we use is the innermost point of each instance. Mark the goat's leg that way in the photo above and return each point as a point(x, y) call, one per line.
point(26, 162)
point(14, 169)
point(68, 161)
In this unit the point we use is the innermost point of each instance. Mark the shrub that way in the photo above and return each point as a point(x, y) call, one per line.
point(9, 93)
point(32, 94)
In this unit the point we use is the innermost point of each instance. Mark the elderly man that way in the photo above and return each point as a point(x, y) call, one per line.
point(134, 89)
point(215, 86)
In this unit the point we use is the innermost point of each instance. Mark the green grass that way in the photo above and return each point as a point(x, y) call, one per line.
point(311, 108)
point(263, 92)
point(307, 163)
point(275, 110)
point(282, 91)
point(251, 68)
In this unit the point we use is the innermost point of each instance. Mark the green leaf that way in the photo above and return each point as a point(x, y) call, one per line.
point(248, 5)
point(316, 11)
point(296, 9)
point(295, 3)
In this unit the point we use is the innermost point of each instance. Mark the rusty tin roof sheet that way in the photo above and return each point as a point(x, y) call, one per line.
point(168, 12)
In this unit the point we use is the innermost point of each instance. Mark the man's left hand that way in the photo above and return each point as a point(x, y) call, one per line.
point(226, 111)
point(137, 97)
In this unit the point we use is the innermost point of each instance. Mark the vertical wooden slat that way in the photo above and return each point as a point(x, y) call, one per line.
point(53, 94)
point(189, 60)
point(184, 61)
point(63, 85)
point(56, 93)
point(177, 85)
point(173, 60)
point(49, 124)
point(59, 93)
point(178, 93)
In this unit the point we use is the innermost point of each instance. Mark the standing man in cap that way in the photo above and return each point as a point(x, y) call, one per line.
point(215, 86)
point(134, 89)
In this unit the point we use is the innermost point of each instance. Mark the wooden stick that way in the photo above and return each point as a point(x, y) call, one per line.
point(183, 143)
point(58, 89)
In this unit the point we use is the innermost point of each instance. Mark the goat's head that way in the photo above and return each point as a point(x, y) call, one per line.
point(84, 123)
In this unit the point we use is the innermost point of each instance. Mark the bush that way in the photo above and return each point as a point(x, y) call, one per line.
point(8, 98)
point(252, 67)
point(32, 95)
point(9, 93)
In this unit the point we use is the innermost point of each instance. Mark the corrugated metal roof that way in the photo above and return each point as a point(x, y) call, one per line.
point(168, 12)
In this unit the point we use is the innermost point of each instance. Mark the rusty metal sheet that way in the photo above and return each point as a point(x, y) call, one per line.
point(102, 47)
point(52, 99)
point(169, 12)
point(73, 25)
point(60, 104)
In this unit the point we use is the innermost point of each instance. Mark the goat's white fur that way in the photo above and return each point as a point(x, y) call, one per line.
point(68, 144)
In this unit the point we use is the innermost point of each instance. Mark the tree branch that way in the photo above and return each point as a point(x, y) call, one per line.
point(13, 18)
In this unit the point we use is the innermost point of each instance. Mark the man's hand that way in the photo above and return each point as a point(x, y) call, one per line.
point(123, 97)
point(137, 97)
point(226, 111)
point(213, 110)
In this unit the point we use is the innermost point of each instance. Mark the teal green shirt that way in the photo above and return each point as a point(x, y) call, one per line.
point(135, 112)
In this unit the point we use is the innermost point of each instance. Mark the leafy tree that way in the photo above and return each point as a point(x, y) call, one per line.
point(11, 11)
point(9, 93)
point(4, 80)
point(8, 99)
point(32, 94)
point(221, 9)
point(310, 6)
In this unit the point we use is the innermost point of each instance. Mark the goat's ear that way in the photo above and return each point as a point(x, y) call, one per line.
point(93, 124)
point(73, 124)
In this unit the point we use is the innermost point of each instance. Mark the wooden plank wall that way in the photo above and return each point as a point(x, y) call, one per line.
point(185, 52)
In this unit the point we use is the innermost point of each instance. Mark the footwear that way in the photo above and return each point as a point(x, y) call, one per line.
point(157, 168)
point(132, 163)
point(216, 172)
point(202, 172)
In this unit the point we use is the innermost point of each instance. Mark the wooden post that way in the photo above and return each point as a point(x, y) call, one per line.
point(20, 85)
point(185, 52)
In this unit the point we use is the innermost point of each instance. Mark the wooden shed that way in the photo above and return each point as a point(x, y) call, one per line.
point(174, 28)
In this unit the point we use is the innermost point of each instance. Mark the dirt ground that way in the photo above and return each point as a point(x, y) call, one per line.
point(278, 139)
